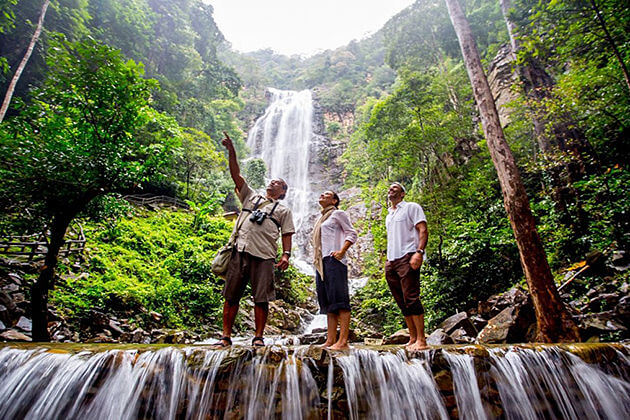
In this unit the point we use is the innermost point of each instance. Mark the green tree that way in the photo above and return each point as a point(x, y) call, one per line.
point(89, 131)
point(254, 172)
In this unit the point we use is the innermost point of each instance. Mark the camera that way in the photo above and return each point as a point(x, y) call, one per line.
point(257, 216)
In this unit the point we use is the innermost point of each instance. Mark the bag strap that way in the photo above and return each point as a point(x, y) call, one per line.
point(271, 213)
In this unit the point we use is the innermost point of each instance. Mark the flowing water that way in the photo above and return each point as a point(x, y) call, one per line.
point(467, 382)
point(282, 138)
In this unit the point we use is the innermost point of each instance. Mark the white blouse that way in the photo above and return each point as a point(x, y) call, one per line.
point(335, 231)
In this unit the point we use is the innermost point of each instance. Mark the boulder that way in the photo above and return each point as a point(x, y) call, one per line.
point(15, 278)
point(12, 335)
point(603, 302)
point(399, 337)
point(24, 324)
point(512, 325)
point(461, 336)
point(138, 335)
point(478, 322)
point(457, 321)
point(439, 337)
point(598, 323)
point(101, 338)
point(313, 339)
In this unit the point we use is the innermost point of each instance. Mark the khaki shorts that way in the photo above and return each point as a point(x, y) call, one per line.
point(244, 268)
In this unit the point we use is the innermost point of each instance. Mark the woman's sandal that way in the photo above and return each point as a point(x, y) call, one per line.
point(258, 342)
point(223, 342)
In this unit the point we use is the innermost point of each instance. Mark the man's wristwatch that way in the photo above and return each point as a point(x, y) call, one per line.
point(288, 253)
point(420, 251)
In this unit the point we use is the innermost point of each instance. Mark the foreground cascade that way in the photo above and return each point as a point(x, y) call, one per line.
point(467, 382)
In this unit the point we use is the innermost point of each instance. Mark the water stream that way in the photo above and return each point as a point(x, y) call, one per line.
point(282, 138)
point(466, 382)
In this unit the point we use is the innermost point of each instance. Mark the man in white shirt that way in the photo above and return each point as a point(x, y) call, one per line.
point(407, 237)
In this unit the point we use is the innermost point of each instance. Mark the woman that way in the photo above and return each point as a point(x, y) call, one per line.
point(332, 236)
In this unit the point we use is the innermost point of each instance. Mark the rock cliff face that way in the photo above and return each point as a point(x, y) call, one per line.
point(501, 77)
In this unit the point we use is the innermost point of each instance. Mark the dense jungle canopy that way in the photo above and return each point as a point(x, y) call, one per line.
point(122, 96)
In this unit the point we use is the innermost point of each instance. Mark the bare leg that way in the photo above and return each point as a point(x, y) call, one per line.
point(421, 341)
point(261, 310)
point(413, 331)
point(331, 334)
point(229, 315)
point(344, 331)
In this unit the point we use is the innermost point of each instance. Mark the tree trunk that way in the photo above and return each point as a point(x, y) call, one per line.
point(553, 321)
point(611, 42)
point(27, 55)
point(39, 290)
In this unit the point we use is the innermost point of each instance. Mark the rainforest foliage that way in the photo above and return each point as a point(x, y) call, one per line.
point(399, 102)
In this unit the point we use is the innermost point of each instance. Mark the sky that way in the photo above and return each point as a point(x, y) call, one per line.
point(303, 27)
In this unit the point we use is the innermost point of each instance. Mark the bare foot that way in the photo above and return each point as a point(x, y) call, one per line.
point(326, 345)
point(339, 346)
point(410, 343)
point(418, 346)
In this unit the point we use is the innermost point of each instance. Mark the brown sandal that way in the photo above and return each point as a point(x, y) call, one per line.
point(258, 342)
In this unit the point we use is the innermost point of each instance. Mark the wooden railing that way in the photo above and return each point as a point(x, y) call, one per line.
point(150, 199)
point(34, 247)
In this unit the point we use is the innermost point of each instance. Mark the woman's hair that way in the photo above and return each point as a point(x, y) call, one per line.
point(336, 197)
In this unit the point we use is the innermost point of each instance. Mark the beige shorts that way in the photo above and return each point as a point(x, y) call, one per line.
point(244, 268)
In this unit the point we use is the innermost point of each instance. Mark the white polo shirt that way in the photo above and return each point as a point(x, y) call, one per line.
point(402, 236)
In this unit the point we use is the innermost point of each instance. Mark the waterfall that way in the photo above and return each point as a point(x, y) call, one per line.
point(282, 138)
point(467, 382)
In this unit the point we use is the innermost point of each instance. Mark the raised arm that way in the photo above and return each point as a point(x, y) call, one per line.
point(235, 170)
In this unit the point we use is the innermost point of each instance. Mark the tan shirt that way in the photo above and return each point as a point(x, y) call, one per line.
point(261, 240)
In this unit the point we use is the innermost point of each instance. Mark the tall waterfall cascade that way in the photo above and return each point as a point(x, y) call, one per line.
point(284, 138)
point(529, 382)
point(281, 137)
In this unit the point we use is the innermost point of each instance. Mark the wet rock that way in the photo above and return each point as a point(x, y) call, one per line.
point(138, 335)
point(24, 324)
point(10, 288)
point(439, 337)
point(12, 335)
point(313, 339)
point(5, 316)
point(2, 326)
point(603, 302)
point(114, 327)
point(19, 298)
point(457, 321)
point(156, 316)
point(600, 322)
point(461, 336)
point(444, 381)
point(399, 337)
point(478, 322)
point(511, 325)
point(101, 338)
point(98, 319)
point(622, 310)
point(284, 316)
point(15, 278)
